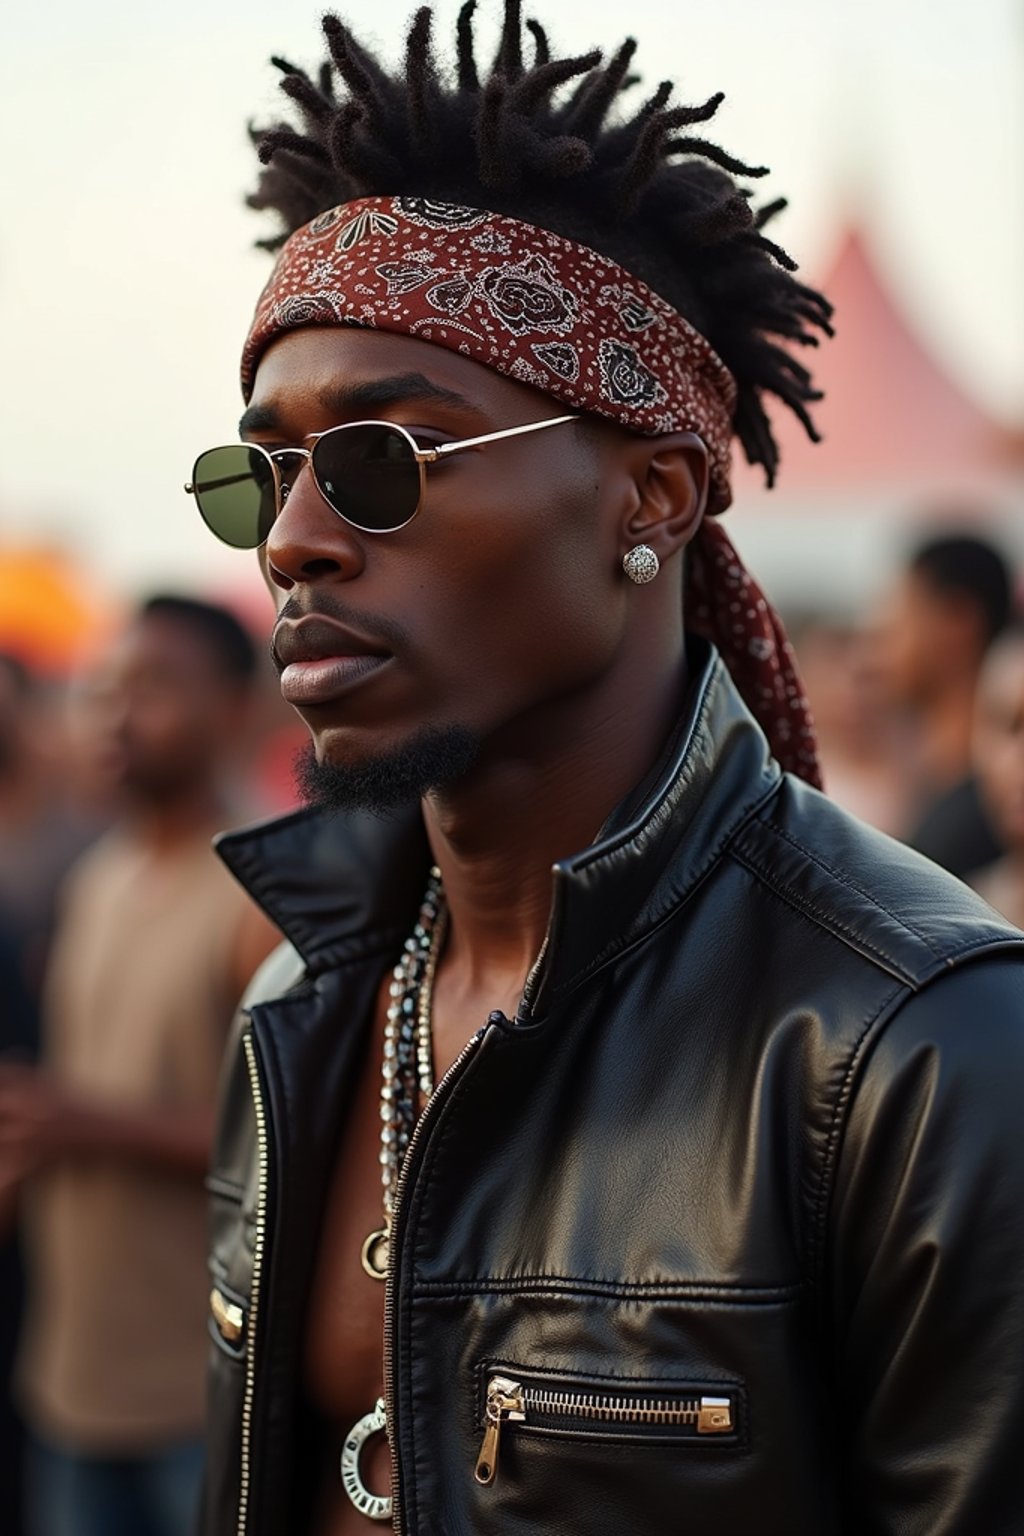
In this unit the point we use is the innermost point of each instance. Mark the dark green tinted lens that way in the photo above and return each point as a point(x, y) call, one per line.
point(234, 488)
point(369, 475)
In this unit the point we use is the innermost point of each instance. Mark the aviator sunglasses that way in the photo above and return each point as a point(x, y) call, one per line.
point(371, 473)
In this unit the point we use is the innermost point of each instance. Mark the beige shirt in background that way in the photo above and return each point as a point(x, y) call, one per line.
point(138, 1004)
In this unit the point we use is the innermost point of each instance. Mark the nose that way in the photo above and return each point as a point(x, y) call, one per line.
point(309, 541)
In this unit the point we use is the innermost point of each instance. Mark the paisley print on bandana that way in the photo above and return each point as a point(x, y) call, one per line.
point(625, 378)
point(500, 290)
point(559, 316)
point(527, 297)
point(423, 210)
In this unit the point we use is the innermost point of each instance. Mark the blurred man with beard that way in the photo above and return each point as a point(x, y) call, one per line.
point(154, 945)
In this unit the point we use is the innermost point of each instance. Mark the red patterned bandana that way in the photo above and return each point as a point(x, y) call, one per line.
point(555, 314)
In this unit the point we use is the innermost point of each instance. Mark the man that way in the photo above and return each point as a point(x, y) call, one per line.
point(114, 1130)
point(953, 598)
point(627, 1140)
point(999, 765)
point(43, 827)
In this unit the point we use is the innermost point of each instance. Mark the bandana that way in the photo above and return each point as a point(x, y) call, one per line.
point(549, 312)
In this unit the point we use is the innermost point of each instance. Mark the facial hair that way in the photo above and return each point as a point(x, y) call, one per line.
point(435, 758)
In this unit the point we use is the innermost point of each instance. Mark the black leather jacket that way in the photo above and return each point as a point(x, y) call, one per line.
point(735, 1206)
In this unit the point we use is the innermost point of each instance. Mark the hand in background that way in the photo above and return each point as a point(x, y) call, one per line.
point(39, 1123)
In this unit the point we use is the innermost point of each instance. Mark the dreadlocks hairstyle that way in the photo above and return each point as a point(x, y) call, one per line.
point(542, 140)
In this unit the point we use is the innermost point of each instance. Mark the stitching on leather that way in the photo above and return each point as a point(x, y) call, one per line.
point(813, 858)
point(823, 1199)
point(823, 920)
point(612, 1290)
point(986, 944)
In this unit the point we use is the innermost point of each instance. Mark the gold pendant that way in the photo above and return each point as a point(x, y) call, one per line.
point(372, 1505)
point(374, 1253)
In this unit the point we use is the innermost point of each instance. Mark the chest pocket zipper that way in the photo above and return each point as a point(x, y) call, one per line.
point(678, 1414)
point(229, 1318)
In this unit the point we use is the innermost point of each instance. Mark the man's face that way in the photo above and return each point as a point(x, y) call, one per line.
point(155, 714)
point(497, 608)
point(921, 635)
point(999, 738)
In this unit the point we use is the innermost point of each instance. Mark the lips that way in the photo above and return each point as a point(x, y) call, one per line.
point(320, 659)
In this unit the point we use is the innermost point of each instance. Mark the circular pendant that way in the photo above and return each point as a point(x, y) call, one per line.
point(369, 1504)
point(374, 1254)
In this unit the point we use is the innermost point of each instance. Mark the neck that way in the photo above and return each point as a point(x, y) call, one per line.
point(166, 823)
point(538, 796)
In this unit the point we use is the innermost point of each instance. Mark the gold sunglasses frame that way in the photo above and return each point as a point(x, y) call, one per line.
point(422, 456)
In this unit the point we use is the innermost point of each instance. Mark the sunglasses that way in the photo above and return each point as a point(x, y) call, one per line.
point(372, 473)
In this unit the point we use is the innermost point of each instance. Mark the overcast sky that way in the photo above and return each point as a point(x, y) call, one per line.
point(127, 275)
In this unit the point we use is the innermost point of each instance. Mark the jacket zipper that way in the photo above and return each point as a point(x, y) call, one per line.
point(257, 1263)
point(419, 1135)
point(509, 1401)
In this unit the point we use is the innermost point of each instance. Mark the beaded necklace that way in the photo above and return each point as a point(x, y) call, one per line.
point(407, 1069)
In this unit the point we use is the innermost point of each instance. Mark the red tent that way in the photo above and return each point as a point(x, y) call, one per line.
point(892, 417)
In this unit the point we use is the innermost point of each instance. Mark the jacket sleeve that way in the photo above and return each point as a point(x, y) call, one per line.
point(926, 1265)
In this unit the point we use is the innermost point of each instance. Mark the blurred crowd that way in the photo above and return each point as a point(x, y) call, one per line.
point(919, 707)
point(124, 946)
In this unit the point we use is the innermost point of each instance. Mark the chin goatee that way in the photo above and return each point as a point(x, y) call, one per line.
point(438, 757)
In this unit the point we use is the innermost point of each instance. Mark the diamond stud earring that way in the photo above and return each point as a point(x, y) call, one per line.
point(641, 564)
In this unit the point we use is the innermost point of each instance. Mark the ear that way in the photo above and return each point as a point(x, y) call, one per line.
point(671, 479)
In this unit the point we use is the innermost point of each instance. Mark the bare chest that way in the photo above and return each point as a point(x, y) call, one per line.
point(344, 1341)
point(343, 1364)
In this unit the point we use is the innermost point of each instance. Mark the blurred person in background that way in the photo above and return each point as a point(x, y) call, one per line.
point(154, 945)
point(953, 597)
point(43, 828)
point(999, 768)
point(859, 753)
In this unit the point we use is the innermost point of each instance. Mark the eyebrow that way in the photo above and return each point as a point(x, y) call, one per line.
point(372, 395)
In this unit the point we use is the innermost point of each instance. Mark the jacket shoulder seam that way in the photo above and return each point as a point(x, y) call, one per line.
point(823, 1199)
point(827, 922)
point(851, 885)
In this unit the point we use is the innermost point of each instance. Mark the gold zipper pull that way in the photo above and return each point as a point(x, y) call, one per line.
point(714, 1416)
point(504, 1401)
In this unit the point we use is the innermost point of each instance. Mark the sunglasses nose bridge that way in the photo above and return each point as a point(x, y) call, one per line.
point(308, 539)
point(289, 464)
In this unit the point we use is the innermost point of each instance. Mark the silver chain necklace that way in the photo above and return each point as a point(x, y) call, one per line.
point(407, 1077)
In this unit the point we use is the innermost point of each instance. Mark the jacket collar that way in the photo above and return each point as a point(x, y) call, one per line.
point(344, 887)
